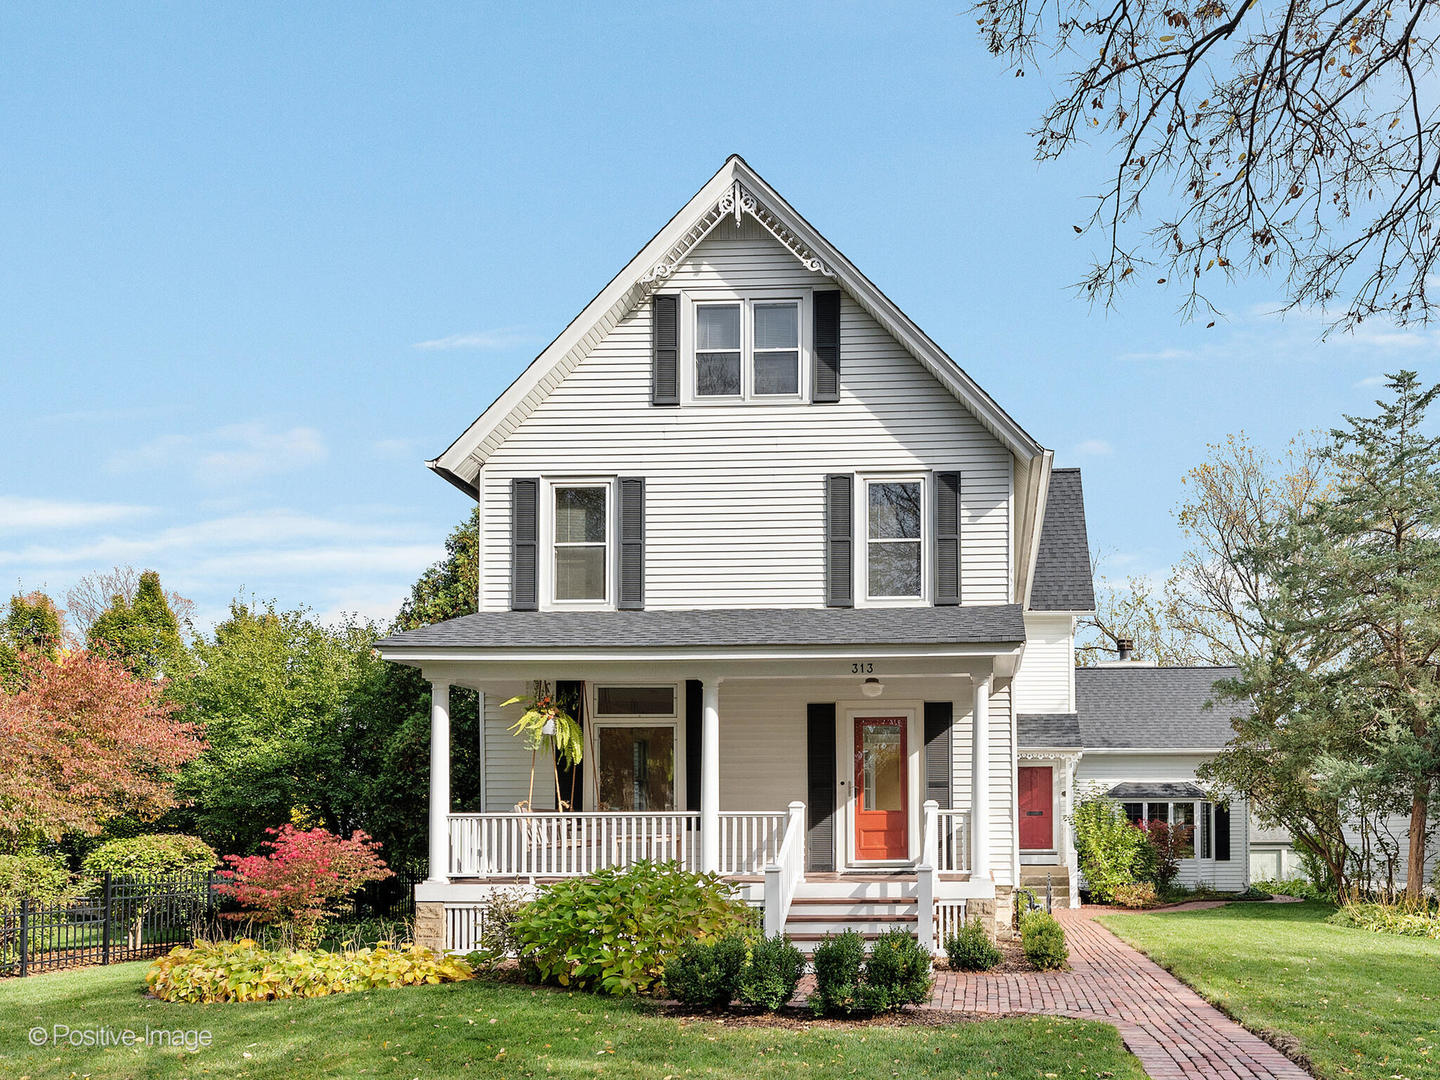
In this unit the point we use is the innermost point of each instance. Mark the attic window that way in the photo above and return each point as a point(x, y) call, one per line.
point(747, 348)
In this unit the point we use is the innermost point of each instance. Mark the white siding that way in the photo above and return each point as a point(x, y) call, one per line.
point(1106, 770)
point(734, 492)
point(1045, 682)
point(507, 762)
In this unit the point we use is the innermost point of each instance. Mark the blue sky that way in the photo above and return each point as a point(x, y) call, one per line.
point(258, 262)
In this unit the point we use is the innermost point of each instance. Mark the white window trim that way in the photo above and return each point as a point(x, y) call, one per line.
point(862, 532)
point(547, 535)
point(847, 712)
point(747, 299)
point(1170, 804)
point(594, 722)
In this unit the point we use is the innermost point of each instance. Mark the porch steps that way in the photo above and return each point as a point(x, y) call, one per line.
point(1033, 877)
point(823, 908)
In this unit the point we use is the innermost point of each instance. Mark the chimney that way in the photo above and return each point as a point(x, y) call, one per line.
point(1124, 647)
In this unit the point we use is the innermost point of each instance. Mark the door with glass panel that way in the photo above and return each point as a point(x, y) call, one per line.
point(882, 812)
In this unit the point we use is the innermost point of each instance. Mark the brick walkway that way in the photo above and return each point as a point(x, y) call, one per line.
point(1168, 1026)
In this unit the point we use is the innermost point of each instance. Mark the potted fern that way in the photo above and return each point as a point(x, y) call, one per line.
point(544, 725)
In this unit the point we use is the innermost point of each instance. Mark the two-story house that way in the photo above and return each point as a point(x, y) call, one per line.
point(816, 588)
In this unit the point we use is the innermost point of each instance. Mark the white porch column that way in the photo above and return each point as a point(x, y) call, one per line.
point(439, 780)
point(980, 782)
point(710, 777)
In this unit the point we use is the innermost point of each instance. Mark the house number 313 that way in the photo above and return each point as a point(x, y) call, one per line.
point(864, 667)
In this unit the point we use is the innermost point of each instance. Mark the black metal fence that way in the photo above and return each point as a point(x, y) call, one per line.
point(120, 919)
point(393, 898)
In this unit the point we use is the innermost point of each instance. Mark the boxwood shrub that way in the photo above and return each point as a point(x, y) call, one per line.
point(1043, 940)
point(970, 948)
point(895, 973)
point(772, 974)
point(613, 931)
point(707, 972)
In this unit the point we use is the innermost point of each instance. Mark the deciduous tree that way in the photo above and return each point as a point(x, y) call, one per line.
point(142, 632)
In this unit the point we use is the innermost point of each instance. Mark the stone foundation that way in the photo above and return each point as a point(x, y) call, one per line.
point(1004, 912)
point(430, 925)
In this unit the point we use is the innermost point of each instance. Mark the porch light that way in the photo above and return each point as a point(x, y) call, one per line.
point(872, 687)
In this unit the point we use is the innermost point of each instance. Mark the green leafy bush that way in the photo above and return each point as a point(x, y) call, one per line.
point(1043, 940)
point(154, 855)
point(613, 931)
point(837, 961)
point(897, 973)
point(970, 948)
point(498, 940)
point(1389, 919)
point(1111, 851)
point(770, 978)
point(707, 972)
point(1301, 887)
point(1140, 894)
point(42, 878)
point(243, 971)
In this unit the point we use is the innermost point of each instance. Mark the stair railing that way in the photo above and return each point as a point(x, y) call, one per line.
point(783, 876)
point(925, 874)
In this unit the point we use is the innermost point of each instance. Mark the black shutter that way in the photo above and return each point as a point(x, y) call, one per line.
point(939, 762)
point(632, 543)
point(665, 349)
point(947, 538)
point(825, 341)
point(571, 695)
point(524, 545)
point(694, 728)
point(820, 793)
point(1222, 833)
point(839, 545)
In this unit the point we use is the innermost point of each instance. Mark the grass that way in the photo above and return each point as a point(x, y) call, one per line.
point(1355, 1003)
point(486, 1029)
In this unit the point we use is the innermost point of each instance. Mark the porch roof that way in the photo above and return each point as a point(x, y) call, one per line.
point(1157, 791)
point(995, 624)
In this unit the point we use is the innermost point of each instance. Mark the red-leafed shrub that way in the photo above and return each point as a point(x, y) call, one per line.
point(296, 884)
point(1170, 844)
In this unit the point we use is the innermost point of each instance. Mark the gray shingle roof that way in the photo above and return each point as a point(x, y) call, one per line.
point(1063, 581)
point(990, 624)
point(1156, 791)
point(1047, 729)
point(1138, 706)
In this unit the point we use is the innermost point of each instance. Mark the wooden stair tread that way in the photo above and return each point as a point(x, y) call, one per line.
point(842, 919)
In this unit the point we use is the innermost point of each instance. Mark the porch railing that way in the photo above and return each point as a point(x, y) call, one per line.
point(952, 841)
point(568, 845)
point(749, 842)
point(783, 876)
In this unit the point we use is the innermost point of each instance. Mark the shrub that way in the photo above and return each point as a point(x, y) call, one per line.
point(297, 883)
point(42, 878)
point(1306, 890)
point(838, 961)
point(497, 929)
point(1043, 940)
point(970, 948)
point(1168, 845)
point(897, 973)
point(1139, 895)
point(1109, 848)
point(155, 855)
point(770, 978)
point(613, 931)
point(1389, 919)
point(243, 971)
point(707, 972)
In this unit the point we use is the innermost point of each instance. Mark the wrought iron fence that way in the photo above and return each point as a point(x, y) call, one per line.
point(120, 919)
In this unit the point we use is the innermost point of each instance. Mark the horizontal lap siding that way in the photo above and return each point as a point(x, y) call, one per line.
point(1002, 777)
point(507, 761)
point(734, 493)
point(1104, 771)
point(1046, 679)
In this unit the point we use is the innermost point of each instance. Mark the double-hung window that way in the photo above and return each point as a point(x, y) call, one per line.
point(582, 529)
point(895, 552)
point(747, 349)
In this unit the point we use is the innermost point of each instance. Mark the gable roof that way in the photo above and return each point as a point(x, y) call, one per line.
point(1047, 729)
point(735, 189)
point(1136, 707)
point(1063, 579)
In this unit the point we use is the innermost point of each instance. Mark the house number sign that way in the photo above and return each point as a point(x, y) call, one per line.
point(862, 667)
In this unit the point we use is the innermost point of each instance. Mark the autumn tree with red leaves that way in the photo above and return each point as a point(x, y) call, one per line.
point(84, 741)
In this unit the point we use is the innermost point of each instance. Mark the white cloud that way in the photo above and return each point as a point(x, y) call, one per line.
point(229, 453)
point(506, 338)
point(1296, 336)
point(20, 514)
point(1371, 381)
point(395, 448)
point(1093, 448)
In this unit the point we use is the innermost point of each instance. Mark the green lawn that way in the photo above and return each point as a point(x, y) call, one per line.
point(1359, 1004)
point(482, 1029)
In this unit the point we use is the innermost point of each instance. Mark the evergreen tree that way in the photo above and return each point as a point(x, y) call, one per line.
point(33, 625)
point(143, 633)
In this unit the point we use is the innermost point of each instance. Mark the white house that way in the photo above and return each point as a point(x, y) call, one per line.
point(810, 578)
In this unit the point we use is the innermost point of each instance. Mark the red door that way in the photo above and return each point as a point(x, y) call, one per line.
point(1037, 831)
point(882, 813)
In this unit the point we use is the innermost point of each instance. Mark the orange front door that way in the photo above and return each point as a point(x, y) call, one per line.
point(1037, 831)
point(882, 813)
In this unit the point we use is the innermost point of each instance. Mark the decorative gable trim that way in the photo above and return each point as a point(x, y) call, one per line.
point(736, 189)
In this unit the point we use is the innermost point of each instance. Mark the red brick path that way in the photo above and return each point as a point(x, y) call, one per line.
point(1168, 1026)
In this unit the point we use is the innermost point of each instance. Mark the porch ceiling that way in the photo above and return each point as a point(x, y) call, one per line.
point(733, 628)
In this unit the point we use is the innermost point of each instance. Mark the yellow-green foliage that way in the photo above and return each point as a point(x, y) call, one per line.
point(1389, 919)
point(1139, 895)
point(242, 971)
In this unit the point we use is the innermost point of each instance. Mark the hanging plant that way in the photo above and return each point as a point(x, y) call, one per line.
point(545, 724)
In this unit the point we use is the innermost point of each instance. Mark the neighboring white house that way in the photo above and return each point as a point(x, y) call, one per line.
point(794, 558)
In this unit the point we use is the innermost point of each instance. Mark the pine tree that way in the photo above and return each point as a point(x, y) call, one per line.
point(143, 633)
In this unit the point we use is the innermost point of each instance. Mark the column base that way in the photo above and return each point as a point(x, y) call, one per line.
point(430, 925)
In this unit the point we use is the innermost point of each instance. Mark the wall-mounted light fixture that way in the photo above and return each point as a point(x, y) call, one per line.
point(872, 687)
